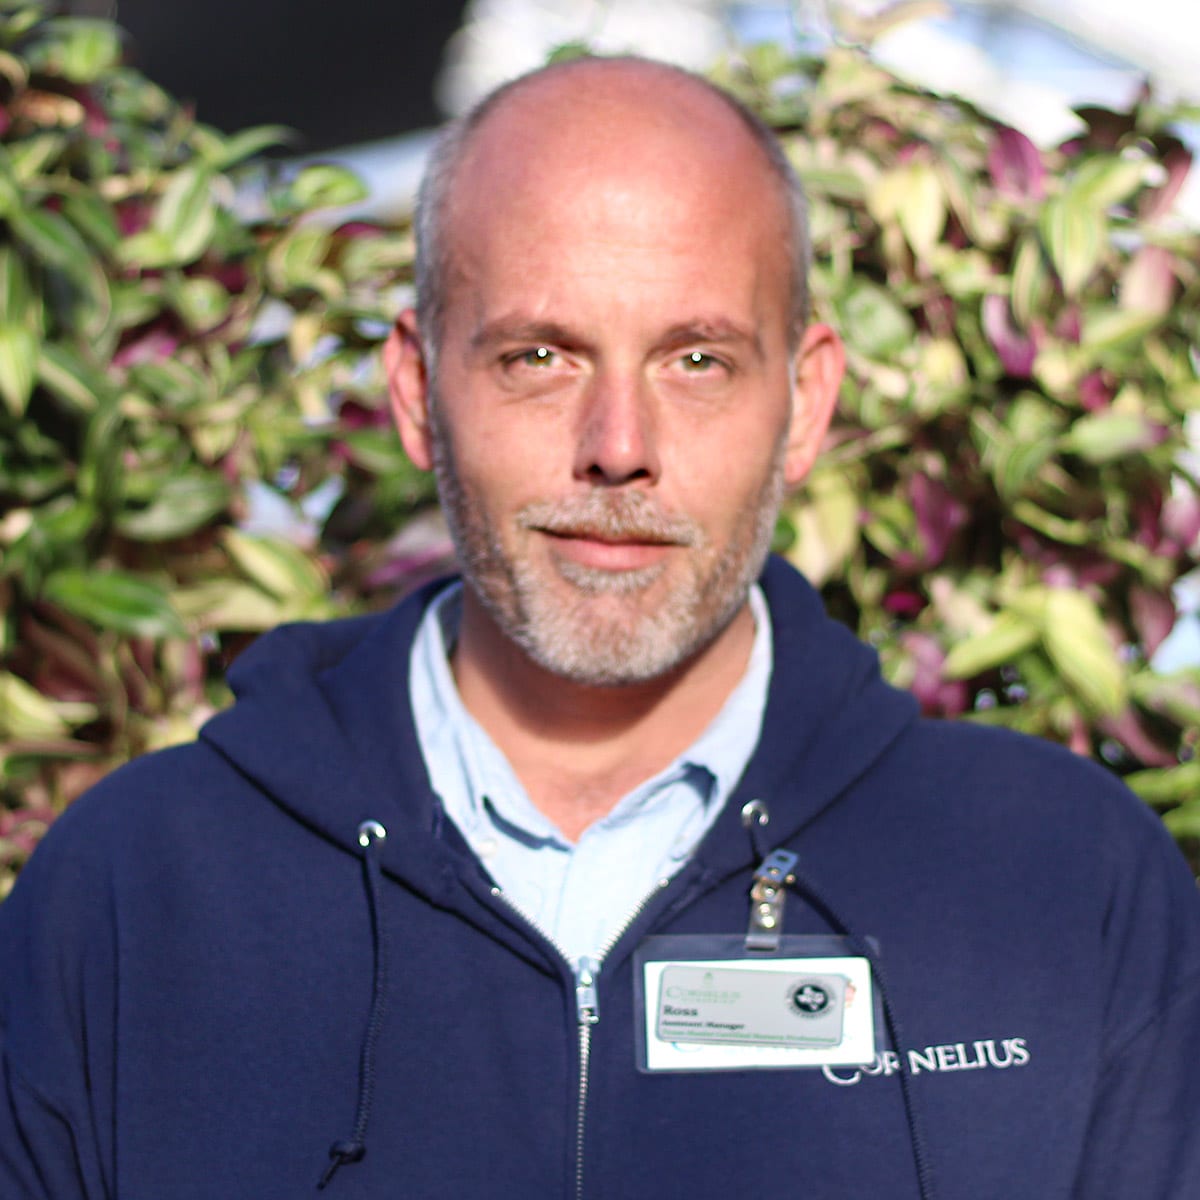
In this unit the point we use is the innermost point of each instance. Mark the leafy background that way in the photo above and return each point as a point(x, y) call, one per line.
point(194, 443)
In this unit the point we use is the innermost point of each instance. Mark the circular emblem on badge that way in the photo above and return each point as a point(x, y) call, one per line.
point(808, 998)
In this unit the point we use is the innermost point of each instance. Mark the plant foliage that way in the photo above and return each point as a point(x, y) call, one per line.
point(1005, 504)
point(1002, 508)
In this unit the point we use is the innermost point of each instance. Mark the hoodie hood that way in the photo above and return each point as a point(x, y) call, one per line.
point(830, 715)
point(323, 723)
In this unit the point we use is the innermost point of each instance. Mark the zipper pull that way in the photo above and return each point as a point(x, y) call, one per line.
point(767, 896)
point(587, 1004)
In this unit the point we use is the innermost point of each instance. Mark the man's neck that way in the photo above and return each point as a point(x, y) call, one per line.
point(577, 749)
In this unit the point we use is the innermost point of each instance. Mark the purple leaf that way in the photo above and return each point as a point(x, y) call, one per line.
point(937, 696)
point(1088, 571)
point(1016, 348)
point(1069, 325)
point(133, 216)
point(1153, 616)
point(1016, 166)
point(157, 344)
point(1106, 128)
point(939, 513)
point(96, 120)
point(903, 603)
point(1147, 508)
point(357, 229)
point(1158, 202)
point(1096, 390)
point(354, 415)
point(1131, 733)
point(1180, 522)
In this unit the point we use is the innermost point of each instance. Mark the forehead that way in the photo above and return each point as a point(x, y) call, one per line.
point(651, 169)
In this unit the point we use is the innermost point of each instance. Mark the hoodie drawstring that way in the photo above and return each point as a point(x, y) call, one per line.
point(755, 817)
point(352, 1149)
point(860, 945)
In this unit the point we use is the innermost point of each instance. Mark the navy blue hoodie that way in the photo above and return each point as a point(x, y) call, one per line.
point(205, 979)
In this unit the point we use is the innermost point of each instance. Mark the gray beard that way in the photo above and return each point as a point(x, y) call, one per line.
point(605, 633)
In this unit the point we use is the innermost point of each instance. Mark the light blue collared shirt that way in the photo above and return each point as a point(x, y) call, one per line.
point(582, 895)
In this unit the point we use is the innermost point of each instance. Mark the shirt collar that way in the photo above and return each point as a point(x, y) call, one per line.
point(472, 776)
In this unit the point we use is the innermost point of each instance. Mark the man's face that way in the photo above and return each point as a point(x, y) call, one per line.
point(611, 416)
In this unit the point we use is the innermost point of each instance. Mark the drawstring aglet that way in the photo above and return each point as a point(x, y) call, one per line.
point(341, 1154)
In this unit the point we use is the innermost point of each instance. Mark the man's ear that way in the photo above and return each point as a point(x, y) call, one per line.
point(408, 388)
point(818, 366)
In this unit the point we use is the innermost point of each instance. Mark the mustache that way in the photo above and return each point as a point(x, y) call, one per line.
point(631, 517)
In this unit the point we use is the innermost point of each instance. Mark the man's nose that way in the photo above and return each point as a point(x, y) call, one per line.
point(617, 439)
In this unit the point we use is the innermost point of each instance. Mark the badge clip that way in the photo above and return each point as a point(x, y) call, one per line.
point(771, 880)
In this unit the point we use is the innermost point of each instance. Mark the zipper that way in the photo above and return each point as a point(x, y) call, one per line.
point(587, 1005)
point(587, 1013)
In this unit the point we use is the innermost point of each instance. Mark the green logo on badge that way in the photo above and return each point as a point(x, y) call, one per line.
point(810, 999)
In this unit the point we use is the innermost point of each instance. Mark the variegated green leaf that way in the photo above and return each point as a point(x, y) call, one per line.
point(186, 214)
point(922, 211)
point(115, 600)
point(66, 373)
point(18, 366)
point(1030, 280)
point(1104, 181)
point(1073, 232)
point(148, 250)
point(1082, 651)
point(183, 504)
point(80, 49)
point(1008, 637)
point(278, 567)
point(1108, 328)
point(227, 604)
point(1172, 785)
point(19, 303)
point(1184, 822)
point(52, 238)
point(25, 712)
point(825, 520)
point(327, 186)
point(1107, 436)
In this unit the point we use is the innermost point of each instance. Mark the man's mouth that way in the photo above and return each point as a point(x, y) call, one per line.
point(609, 533)
point(608, 552)
point(611, 520)
point(608, 537)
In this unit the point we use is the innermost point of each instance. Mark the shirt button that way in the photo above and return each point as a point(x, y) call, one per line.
point(487, 847)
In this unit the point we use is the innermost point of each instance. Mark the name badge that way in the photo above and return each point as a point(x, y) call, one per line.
point(727, 1011)
point(713, 1005)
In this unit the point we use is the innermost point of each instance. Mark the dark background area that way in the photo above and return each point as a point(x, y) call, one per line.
point(337, 71)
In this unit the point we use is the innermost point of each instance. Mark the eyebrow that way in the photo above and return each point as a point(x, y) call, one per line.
point(714, 331)
point(508, 329)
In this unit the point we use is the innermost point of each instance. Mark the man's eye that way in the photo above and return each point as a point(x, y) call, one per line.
point(698, 362)
point(540, 356)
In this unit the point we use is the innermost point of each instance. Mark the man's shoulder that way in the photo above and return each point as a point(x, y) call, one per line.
point(995, 782)
point(152, 800)
point(971, 759)
point(1000, 749)
point(300, 693)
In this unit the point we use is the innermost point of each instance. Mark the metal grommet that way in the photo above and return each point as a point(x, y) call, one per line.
point(371, 831)
point(755, 813)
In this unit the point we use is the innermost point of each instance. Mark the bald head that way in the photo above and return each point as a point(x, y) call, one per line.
point(598, 121)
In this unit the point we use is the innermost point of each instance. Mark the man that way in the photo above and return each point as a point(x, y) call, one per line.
point(488, 891)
